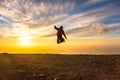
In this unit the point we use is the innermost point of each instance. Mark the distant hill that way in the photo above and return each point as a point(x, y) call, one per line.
point(4, 53)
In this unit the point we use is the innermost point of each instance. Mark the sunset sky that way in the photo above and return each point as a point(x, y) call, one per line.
point(92, 26)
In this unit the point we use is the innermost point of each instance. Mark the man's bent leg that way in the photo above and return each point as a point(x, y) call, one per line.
point(58, 39)
point(62, 39)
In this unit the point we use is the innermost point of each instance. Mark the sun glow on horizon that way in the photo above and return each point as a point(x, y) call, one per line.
point(25, 39)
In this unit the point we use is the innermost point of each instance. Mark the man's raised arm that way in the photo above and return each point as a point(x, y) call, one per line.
point(55, 27)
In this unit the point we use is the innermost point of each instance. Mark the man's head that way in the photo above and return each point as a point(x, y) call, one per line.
point(61, 27)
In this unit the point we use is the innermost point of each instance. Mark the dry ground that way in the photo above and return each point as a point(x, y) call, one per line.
point(59, 67)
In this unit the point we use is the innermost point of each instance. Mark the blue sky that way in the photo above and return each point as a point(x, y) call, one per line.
point(81, 18)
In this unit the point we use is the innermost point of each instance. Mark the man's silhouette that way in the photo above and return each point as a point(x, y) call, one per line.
point(60, 32)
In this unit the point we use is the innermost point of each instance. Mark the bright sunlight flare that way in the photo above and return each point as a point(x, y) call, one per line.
point(25, 39)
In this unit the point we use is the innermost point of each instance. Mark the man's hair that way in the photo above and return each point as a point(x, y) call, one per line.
point(61, 26)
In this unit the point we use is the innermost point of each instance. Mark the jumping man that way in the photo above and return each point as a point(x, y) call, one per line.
point(60, 32)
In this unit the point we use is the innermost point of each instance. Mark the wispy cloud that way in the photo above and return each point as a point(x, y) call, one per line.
point(33, 13)
point(25, 15)
point(37, 17)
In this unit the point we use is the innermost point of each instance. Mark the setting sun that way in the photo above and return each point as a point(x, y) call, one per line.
point(25, 39)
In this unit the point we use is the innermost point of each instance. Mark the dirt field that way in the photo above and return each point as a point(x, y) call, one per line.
point(59, 67)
